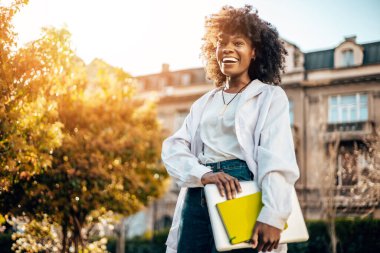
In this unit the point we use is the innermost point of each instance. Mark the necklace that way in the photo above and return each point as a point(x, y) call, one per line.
point(224, 101)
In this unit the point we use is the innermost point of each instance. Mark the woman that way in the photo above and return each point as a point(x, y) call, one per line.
point(238, 131)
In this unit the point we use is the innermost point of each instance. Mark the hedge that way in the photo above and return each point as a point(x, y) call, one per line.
point(142, 244)
point(353, 236)
point(5, 242)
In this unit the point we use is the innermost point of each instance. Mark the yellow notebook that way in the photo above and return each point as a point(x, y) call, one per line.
point(239, 216)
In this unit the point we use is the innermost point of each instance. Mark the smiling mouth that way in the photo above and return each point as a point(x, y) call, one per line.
point(229, 60)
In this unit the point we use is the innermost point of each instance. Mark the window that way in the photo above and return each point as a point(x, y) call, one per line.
point(353, 158)
point(347, 173)
point(179, 119)
point(161, 83)
point(348, 108)
point(348, 58)
point(185, 79)
point(291, 112)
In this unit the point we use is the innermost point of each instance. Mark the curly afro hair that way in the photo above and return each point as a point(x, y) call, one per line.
point(269, 48)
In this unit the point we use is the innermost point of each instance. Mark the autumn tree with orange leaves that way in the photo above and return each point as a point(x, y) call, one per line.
point(73, 140)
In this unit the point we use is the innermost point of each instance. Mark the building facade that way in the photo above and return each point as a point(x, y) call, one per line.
point(334, 98)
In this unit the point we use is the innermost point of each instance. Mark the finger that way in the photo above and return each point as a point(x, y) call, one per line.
point(227, 188)
point(232, 186)
point(271, 247)
point(237, 184)
point(266, 246)
point(220, 188)
point(260, 244)
point(254, 238)
point(276, 244)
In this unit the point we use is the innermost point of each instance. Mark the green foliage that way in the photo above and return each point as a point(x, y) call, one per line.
point(29, 129)
point(358, 236)
point(37, 237)
point(6, 242)
point(354, 236)
point(111, 244)
point(148, 244)
point(319, 240)
point(142, 244)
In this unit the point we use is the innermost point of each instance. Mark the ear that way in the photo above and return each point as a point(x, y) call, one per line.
point(253, 55)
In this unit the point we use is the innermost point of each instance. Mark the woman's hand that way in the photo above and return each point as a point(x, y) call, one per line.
point(226, 184)
point(265, 237)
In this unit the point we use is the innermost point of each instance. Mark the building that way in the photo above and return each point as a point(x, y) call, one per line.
point(334, 94)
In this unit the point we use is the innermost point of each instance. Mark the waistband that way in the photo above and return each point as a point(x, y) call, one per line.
point(217, 166)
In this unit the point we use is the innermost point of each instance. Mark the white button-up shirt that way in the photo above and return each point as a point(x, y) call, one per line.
point(264, 133)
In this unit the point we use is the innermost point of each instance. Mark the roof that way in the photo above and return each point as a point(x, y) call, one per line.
point(325, 59)
point(319, 60)
point(371, 53)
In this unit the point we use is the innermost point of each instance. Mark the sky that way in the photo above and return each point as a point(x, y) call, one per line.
point(140, 35)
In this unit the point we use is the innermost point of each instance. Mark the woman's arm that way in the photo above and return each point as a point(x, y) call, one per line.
point(181, 164)
point(277, 171)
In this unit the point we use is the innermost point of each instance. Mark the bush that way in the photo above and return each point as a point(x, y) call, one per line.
point(148, 243)
point(319, 240)
point(111, 244)
point(353, 236)
point(358, 236)
point(6, 243)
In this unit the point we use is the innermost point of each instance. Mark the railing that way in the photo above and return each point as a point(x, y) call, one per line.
point(348, 126)
point(357, 196)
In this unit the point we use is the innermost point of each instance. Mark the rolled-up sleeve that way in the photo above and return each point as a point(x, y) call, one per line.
point(277, 166)
point(181, 164)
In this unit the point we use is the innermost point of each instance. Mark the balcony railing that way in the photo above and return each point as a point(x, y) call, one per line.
point(349, 130)
point(357, 196)
point(346, 127)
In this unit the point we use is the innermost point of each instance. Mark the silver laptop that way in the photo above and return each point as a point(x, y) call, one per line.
point(296, 231)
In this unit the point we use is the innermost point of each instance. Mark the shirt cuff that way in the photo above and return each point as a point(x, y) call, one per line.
point(199, 171)
point(271, 218)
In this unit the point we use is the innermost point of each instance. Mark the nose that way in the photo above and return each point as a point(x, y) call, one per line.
point(227, 49)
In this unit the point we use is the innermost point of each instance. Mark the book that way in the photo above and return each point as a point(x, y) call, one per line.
point(239, 216)
point(295, 232)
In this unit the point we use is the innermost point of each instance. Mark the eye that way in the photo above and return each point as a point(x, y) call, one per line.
point(239, 43)
point(220, 43)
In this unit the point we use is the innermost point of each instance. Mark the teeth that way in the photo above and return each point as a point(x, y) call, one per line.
point(230, 59)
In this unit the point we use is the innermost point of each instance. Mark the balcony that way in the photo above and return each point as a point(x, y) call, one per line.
point(349, 130)
point(357, 197)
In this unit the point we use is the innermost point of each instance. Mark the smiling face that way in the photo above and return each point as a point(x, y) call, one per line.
point(234, 54)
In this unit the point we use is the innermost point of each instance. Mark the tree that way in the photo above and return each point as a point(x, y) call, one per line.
point(357, 166)
point(71, 150)
point(31, 79)
point(108, 158)
point(29, 129)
